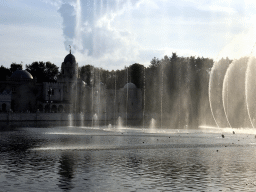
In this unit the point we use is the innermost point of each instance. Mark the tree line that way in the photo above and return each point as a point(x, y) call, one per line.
point(174, 86)
point(43, 71)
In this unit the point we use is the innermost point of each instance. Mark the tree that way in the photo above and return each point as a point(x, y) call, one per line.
point(174, 57)
point(44, 72)
point(86, 74)
point(155, 62)
point(4, 72)
point(15, 67)
point(51, 71)
point(137, 74)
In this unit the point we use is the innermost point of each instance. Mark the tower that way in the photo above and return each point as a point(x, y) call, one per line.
point(69, 69)
point(69, 77)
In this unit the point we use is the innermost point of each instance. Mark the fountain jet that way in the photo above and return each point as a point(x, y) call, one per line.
point(70, 120)
point(119, 123)
point(78, 38)
point(152, 125)
point(250, 89)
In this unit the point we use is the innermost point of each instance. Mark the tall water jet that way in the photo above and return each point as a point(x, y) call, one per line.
point(225, 91)
point(161, 99)
point(82, 119)
point(115, 99)
point(179, 97)
point(95, 120)
point(78, 27)
point(250, 89)
point(119, 122)
point(105, 96)
point(99, 96)
point(70, 120)
point(234, 98)
point(93, 95)
point(144, 96)
point(76, 99)
point(216, 79)
point(239, 47)
point(152, 124)
point(127, 98)
point(94, 36)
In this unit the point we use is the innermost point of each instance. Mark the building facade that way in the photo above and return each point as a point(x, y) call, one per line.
point(22, 93)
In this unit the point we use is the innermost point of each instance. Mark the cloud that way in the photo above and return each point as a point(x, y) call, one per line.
point(121, 32)
point(241, 45)
point(87, 27)
point(216, 7)
point(56, 3)
point(67, 12)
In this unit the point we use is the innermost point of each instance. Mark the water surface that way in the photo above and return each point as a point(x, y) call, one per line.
point(108, 159)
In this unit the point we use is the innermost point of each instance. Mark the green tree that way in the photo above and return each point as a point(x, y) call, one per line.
point(44, 72)
point(4, 72)
point(137, 73)
point(15, 67)
point(86, 74)
point(51, 72)
point(155, 62)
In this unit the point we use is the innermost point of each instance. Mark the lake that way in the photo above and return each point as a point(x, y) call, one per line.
point(127, 159)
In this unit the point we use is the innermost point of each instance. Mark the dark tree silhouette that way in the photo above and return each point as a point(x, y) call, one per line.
point(4, 72)
point(136, 74)
point(15, 67)
point(155, 62)
point(86, 74)
point(44, 72)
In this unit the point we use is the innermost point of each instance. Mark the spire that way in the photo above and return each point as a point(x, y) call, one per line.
point(70, 49)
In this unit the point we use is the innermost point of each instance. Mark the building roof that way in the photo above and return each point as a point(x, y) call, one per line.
point(70, 58)
point(21, 75)
point(130, 86)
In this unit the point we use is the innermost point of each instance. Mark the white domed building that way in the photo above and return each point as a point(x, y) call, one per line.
point(19, 92)
point(125, 103)
point(22, 93)
point(66, 94)
point(130, 101)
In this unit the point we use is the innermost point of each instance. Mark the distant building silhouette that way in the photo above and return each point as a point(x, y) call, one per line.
point(22, 93)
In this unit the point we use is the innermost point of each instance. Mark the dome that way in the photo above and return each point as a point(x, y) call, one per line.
point(130, 86)
point(70, 58)
point(21, 75)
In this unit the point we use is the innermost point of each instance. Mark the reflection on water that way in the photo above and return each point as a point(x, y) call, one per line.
point(66, 171)
point(84, 159)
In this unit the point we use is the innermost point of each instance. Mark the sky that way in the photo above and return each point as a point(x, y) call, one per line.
point(112, 34)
